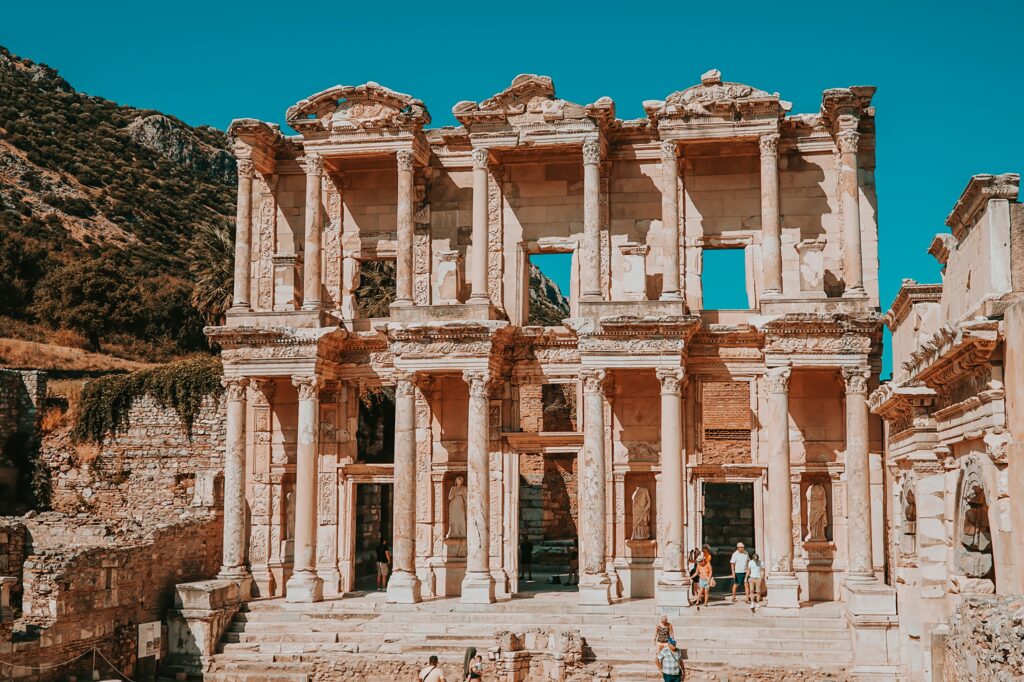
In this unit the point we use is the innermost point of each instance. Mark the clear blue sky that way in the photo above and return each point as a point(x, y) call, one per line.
point(949, 101)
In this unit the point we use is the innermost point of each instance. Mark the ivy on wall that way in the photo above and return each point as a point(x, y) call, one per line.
point(182, 386)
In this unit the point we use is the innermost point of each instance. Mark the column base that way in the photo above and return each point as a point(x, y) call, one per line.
point(783, 591)
point(670, 296)
point(855, 292)
point(241, 576)
point(871, 614)
point(477, 588)
point(304, 587)
point(673, 590)
point(595, 590)
point(332, 581)
point(404, 588)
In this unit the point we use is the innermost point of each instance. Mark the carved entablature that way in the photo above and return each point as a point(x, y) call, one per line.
point(255, 141)
point(910, 294)
point(976, 196)
point(846, 108)
point(546, 345)
point(628, 335)
point(245, 345)
point(359, 113)
point(904, 406)
point(449, 340)
point(823, 334)
point(953, 351)
point(727, 341)
point(714, 101)
point(942, 245)
point(529, 105)
point(366, 351)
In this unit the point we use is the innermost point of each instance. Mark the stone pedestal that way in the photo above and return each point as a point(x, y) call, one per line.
point(632, 277)
point(812, 267)
point(286, 281)
point(202, 612)
point(636, 571)
point(871, 613)
point(448, 279)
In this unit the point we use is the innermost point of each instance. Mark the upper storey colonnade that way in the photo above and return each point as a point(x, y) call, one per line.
point(717, 165)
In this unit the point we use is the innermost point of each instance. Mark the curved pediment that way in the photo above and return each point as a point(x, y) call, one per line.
point(358, 107)
point(530, 100)
point(718, 99)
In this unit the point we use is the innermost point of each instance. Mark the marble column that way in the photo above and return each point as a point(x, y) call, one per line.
point(243, 236)
point(771, 231)
point(304, 585)
point(674, 585)
point(406, 200)
point(478, 585)
point(849, 196)
point(858, 482)
point(590, 253)
point(313, 164)
point(479, 293)
point(595, 584)
point(233, 562)
point(670, 220)
point(404, 586)
point(783, 587)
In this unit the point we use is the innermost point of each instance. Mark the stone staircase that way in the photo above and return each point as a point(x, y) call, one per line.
point(275, 640)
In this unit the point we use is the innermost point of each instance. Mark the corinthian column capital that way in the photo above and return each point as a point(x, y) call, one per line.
point(594, 380)
point(591, 152)
point(246, 168)
point(480, 158)
point(313, 164)
point(235, 387)
point(479, 382)
point(769, 144)
point(262, 391)
point(847, 141)
point(777, 379)
point(404, 157)
point(856, 379)
point(309, 386)
point(673, 379)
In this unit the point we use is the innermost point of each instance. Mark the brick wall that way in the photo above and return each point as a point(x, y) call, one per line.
point(726, 422)
point(94, 592)
point(548, 500)
point(153, 467)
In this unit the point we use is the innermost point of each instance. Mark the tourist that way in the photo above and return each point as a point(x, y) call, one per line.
point(470, 669)
point(738, 567)
point(692, 561)
point(574, 563)
point(754, 580)
point(525, 558)
point(432, 672)
point(663, 633)
point(705, 577)
point(670, 662)
point(383, 561)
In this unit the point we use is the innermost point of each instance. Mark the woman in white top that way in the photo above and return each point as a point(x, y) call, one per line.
point(755, 573)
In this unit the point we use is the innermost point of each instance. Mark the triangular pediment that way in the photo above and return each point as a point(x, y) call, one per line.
point(714, 98)
point(356, 108)
point(530, 100)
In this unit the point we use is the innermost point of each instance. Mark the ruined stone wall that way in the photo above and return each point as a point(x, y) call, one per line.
point(986, 640)
point(92, 588)
point(154, 467)
point(12, 554)
point(22, 394)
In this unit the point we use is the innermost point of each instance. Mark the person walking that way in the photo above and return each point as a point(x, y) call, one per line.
point(663, 633)
point(738, 566)
point(431, 672)
point(670, 663)
point(705, 577)
point(383, 562)
point(755, 571)
point(692, 561)
point(574, 563)
point(525, 558)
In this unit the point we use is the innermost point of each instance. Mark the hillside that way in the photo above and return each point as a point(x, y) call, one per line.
point(94, 191)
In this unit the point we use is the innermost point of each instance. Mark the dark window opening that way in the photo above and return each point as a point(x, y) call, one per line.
point(376, 435)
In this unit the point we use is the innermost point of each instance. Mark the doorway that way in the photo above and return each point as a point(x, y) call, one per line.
point(373, 523)
point(728, 518)
point(549, 519)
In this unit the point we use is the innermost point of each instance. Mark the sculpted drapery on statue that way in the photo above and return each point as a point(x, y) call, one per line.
point(817, 513)
point(641, 514)
point(457, 510)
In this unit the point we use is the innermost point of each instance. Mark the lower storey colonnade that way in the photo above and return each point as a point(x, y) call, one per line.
point(295, 513)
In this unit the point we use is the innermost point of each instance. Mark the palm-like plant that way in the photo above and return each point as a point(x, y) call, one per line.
point(376, 290)
point(211, 263)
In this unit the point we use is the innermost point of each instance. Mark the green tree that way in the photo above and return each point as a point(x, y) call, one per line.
point(85, 295)
point(376, 290)
point(211, 263)
point(22, 262)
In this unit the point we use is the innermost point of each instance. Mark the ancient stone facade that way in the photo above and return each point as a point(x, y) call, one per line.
point(954, 417)
point(637, 204)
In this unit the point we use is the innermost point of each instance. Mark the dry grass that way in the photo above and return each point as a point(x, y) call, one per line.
point(47, 356)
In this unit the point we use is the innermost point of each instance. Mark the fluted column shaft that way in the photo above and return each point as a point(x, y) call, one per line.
point(594, 581)
point(406, 199)
point(674, 584)
point(590, 263)
point(233, 562)
point(479, 265)
point(858, 479)
point(304, 584)
point(670, 220)
point(783, 588)
point(311, 281)
point(771, 232)
point(849, 193)
point(243, 235)
point(404, 586)
point(478, 585)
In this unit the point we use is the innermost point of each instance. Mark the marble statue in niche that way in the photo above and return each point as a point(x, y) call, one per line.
point(457, 510)
point(975, 532)
point(817, 513)
point(641, 514)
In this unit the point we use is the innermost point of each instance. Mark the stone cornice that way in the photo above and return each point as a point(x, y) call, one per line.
point(953, 350)
point(980, 189)
point(910, 293)
point(942, 245)
point(822, 334)
point(716, 100)
point(891, 398)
